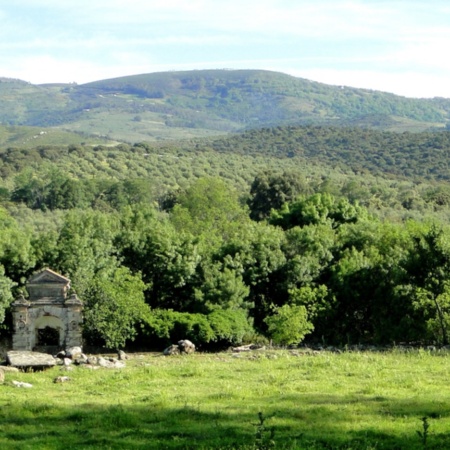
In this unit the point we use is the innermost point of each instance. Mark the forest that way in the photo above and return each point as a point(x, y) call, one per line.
point(326, 234)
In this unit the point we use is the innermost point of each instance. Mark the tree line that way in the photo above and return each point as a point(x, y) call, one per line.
point(285, 262)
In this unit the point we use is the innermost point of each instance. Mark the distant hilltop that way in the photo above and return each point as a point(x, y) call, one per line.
point(173, 105)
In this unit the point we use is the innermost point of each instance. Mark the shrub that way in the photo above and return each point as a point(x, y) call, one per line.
point(289, 324)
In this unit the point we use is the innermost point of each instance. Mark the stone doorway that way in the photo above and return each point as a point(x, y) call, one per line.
point(47, 340)
point(47, 336)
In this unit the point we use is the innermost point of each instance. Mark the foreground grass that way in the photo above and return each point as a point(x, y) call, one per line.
point(212, 401)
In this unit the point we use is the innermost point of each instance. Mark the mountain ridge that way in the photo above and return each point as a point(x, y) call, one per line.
point(196, 103)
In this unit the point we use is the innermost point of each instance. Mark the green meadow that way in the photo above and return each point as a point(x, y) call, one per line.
point(282, 399)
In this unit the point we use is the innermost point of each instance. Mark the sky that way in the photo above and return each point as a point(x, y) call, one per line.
point(398, 46)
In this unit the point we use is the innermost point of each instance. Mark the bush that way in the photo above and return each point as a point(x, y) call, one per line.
point(173, 326)
point(224, 326)
point(289, 324)
point(230, 326)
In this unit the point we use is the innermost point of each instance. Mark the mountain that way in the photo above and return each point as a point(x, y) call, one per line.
point(177, 105)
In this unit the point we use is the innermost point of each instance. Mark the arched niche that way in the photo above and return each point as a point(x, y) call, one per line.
point(48, 331)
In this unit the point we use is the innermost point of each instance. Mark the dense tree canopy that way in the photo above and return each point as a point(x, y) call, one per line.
point(189, 242)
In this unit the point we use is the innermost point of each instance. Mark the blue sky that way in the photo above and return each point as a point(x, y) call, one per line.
point(398, 46)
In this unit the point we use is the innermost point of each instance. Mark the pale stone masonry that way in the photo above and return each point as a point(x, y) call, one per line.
point(49, 317)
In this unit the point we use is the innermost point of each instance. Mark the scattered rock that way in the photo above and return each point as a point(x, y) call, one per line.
point(248, 348)
point(102, 362)
point(122, 355)
point(92, 360)
point(83, 359)
point(10, 369)
point(110, 363)
point(67, 361)
point(21, 384)
point(61, 379)
point(66, 368)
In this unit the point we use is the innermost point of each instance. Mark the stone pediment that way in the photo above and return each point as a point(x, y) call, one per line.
point(48, 276)
point(48, 285)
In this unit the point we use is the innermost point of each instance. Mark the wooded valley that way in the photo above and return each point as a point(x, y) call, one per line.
point(329, 233)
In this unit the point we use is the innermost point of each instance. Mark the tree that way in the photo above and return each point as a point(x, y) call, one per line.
point(167, 259)
point(30, 190)
point(85, 243)
point(16, 252)
point(428, 268)
point(114, 306)
point(289, 324)
point(221, 286)
point(362, 282)
point(209, 208)
point(6, 296)
point(271, 191)
point(317, 209)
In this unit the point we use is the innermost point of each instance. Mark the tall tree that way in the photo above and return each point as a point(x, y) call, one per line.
point(270, 190)
point(428, 269)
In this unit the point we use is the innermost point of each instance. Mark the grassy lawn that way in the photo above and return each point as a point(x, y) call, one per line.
point(350, 400)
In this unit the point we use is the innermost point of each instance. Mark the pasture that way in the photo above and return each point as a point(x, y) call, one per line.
point(281, 399)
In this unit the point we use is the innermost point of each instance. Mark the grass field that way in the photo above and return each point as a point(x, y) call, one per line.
point(261, 400)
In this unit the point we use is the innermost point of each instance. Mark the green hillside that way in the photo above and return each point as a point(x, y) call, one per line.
point(29, 137)
point(400, 175)
point(180, 105)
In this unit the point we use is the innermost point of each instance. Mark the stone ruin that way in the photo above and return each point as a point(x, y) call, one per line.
point(49, 320)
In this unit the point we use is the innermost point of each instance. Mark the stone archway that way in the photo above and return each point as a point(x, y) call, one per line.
point(50, 317)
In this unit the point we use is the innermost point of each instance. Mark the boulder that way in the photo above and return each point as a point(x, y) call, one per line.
point(67, 361)
point(186, 346)
point(74, 352)
point(122, 356)
point(172, 350)
point(27, 359)
point(61, 354)
point(82, 359)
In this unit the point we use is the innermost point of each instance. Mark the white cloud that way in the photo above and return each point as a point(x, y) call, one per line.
point(408, 84)
point(46, 69)
point(368, 43)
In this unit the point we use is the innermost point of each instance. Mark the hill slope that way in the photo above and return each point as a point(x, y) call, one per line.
point(175, 105)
